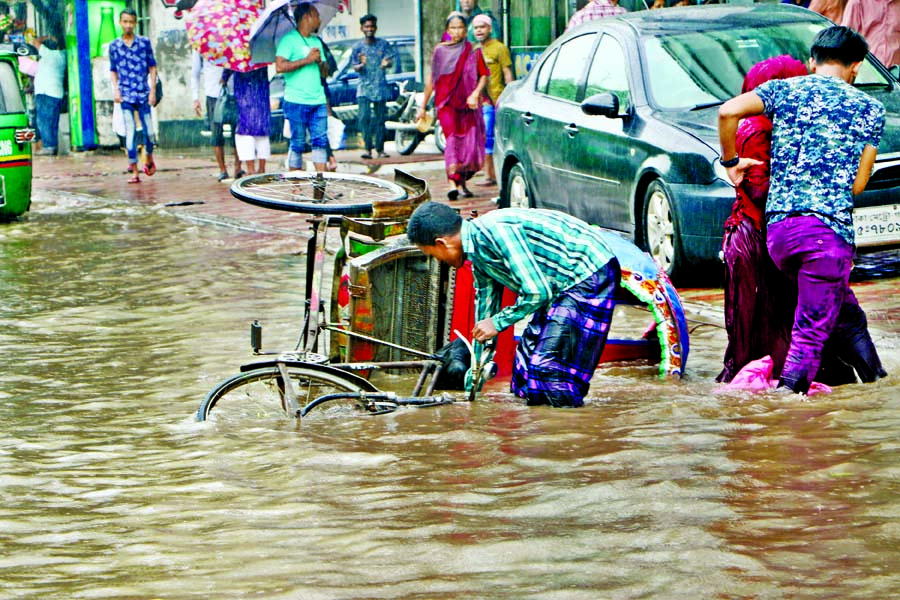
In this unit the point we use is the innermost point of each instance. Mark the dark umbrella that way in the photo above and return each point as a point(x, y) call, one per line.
point(278, 20)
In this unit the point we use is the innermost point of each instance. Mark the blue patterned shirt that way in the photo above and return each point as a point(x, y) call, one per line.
point(372, 77)
point(132, 64)
point(821, 126)
point(536, 253)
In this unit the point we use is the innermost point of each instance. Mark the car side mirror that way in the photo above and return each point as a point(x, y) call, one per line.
point(604, 104)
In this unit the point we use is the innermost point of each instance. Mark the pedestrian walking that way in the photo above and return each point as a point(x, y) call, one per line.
point(458, 77)
point(300, 56)
point(470, 10)
point(564, 275)
point(824, 141)
point(499, 64)
point(49, 89)
point(133, 73)
point(208, 77)
point(372, 57)
point(251, 92)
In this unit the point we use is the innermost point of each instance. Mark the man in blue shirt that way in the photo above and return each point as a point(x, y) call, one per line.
point(300, 57)
point(371, 58)
point(824, 142)
point(133, 72)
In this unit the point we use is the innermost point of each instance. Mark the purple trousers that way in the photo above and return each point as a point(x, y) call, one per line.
point(818, 260)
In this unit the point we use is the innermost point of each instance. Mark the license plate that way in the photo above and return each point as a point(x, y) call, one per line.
point(877, 225)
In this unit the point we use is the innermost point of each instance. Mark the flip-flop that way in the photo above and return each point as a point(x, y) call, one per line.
point(134, 179)
point(467, 193)
point(150, 169)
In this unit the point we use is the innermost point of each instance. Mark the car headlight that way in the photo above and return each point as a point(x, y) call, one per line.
point(721, 172)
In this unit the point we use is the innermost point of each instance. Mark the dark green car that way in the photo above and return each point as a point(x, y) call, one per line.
point(15, 139)
point(617, 123)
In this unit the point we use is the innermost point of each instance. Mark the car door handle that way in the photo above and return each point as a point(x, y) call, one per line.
point(528, 118)
point(571, 129)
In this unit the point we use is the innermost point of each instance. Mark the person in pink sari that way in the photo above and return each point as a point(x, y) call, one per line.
point(458, 77)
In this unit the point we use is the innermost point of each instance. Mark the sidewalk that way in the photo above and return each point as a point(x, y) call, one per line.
point(186, 181)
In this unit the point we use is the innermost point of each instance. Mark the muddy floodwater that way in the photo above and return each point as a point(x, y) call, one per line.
point(116, 319)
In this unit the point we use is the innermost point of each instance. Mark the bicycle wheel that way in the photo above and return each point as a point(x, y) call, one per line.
point(316, 193)
point(260, 393)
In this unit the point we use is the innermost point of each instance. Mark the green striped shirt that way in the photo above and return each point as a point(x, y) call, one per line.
point(536, 253)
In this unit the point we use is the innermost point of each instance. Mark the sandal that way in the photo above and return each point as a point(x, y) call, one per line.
point(467, 193)
point(150, 168)
point(134, 179)
point(240, 173)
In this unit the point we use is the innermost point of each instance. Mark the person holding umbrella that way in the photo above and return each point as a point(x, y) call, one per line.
point(300, 56)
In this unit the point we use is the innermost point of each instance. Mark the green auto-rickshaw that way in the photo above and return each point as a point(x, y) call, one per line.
point(15, 137)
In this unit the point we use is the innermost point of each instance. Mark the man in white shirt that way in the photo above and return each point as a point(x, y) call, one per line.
point(49, 92)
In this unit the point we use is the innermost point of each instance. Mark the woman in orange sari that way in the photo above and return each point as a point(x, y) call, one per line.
point(458, 77)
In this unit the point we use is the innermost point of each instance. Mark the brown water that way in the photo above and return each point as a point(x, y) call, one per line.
point(117, 319)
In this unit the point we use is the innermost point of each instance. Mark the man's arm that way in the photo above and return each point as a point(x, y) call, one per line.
point(196, 72)
point(283, 65)
point(730, 114)
point(866, 162)
point(152, 73)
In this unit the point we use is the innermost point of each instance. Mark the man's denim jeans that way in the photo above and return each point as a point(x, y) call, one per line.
point(303, 117)
point(47, 119)
point(143, 110)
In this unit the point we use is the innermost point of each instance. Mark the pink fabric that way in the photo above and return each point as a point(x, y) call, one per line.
point(455, 70)
point(879, 22)
point(596, 9)
point(482, 19)
point(756, 376)
point(754, 140)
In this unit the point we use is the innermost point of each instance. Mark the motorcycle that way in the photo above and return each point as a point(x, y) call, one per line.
point(407, 134)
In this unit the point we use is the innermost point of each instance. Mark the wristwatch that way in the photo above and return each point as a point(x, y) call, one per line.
point(730, 162)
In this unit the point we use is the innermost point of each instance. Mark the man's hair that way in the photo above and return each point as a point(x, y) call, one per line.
point(839, 44)
point(301, 10)
point(368, 17)
point(128, 11)
point(431, 221)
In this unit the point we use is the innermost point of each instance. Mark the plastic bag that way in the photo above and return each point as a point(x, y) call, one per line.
point(335, 132)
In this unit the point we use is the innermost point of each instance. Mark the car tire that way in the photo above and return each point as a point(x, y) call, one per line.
point(661, 229)
point(406, 141)
point(516, 192)
point(439, 140)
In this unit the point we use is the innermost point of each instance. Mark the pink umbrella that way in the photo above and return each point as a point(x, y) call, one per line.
point(220, 31)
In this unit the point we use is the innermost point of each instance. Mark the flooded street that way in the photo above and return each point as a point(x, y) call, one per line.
point(117, 318)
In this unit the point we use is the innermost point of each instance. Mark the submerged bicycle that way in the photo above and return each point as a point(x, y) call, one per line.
point(335, 373)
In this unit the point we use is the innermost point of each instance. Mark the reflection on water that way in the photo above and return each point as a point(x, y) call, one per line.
point(117, 319)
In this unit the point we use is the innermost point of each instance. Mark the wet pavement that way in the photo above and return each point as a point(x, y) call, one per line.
point(185, 181)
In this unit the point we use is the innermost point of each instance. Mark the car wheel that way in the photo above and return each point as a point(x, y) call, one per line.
point(406, 141)
point(439, 140)
point(516, 193)
point(661, 237)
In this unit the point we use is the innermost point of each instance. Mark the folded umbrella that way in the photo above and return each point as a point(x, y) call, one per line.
point(278, 20)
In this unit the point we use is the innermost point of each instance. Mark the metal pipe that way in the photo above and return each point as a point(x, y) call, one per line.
point(337, 328)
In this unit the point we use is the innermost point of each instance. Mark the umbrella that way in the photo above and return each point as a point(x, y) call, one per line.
point(646, 281)
point(220, 31)
point(278, 19)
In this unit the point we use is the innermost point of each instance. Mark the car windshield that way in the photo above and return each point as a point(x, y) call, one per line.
point(705, 68)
